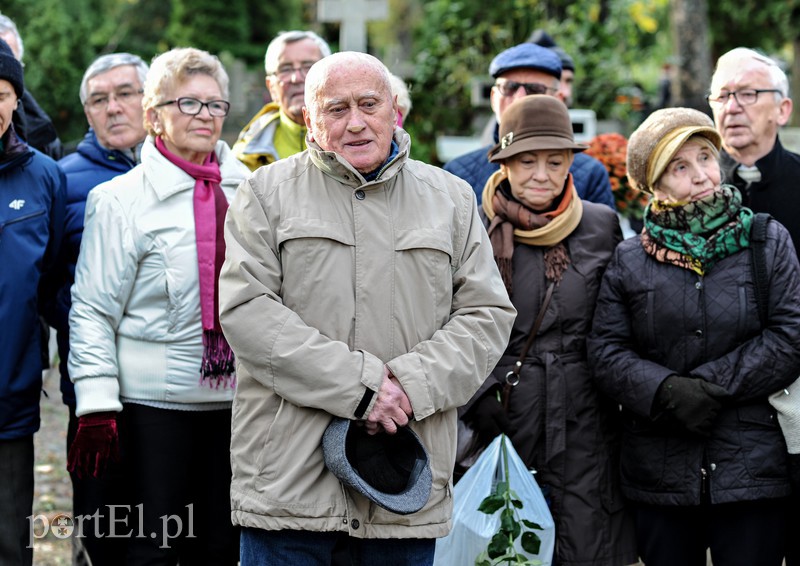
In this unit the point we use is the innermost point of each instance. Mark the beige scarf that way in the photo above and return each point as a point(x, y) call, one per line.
point(511, 221)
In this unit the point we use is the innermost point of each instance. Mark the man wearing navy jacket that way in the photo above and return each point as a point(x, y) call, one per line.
point(519, 71)
point(32, 194)
point(111, 94)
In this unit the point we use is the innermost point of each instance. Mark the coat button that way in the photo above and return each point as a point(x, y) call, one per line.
point(713, 467)
point(355, 524)
point(698, 285)
point(698, 333)
point(360, 194)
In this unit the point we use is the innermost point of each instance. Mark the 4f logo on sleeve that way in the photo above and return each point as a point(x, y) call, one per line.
point(16, 204)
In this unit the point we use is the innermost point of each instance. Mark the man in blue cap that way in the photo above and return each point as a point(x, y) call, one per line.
point(519, 71)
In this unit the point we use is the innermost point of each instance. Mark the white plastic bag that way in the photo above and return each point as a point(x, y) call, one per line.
point(473, 529)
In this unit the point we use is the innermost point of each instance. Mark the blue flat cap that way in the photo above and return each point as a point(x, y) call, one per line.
point(526, 56)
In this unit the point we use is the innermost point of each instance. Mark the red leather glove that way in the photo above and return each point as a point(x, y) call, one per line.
point(96, 440)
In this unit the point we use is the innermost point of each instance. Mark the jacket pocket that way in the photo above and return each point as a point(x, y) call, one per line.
point(643, 454)
point(25, 223)
point(762, 442)
point(438, 434)
point(423, 256)
point(313, 253)
point(277, 437)
point(610, 492)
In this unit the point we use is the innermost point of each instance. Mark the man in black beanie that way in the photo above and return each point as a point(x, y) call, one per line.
point(32, 201)
point(31, 122)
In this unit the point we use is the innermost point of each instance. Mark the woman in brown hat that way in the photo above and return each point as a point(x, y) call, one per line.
point(552, 249)
point(679, 342)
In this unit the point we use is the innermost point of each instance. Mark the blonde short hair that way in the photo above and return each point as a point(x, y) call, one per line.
point(172, 68)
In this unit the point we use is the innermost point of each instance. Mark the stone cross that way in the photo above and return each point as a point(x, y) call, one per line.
point(352, 16)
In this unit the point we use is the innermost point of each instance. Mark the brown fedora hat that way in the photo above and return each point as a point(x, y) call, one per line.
point(534, 122)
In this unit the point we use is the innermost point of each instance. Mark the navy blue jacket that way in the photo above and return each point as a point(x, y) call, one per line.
point(588, 174)
point(32, 197)
point(89, 166)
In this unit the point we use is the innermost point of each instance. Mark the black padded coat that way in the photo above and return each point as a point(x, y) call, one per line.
point(655, 319)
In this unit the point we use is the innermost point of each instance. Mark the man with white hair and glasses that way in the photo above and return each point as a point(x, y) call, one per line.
point(277, 130)
point(749, 97)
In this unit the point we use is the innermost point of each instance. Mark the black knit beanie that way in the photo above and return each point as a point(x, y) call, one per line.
point(11, 69)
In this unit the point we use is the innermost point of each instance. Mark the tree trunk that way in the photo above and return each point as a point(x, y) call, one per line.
point(689, 22)
point(794, 77)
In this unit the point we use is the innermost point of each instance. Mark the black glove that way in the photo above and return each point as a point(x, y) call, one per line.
point(689, 404)
point(488, 419)
point(794, 472)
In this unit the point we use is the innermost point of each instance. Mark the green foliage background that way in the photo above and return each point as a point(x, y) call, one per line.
point(62, 37)
point(618, 45)
point(460, 39)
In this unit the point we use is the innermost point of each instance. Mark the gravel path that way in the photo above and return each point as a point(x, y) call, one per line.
point(53, 489)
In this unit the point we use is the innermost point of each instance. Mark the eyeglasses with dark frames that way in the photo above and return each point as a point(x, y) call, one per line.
point(746, 97)
point(510, 88)
point(193, 107)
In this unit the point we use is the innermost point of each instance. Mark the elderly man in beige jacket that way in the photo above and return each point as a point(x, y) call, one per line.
point(359, 284)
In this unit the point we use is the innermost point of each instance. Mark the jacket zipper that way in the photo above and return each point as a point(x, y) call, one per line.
point(20, 219)
point(703, 484)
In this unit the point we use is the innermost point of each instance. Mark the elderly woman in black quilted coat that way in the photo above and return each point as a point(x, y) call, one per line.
point(677, 340)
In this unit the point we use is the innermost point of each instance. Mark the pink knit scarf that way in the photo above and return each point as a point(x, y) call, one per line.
point(210, 206)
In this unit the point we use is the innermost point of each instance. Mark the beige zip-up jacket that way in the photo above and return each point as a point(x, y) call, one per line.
point(327, 277)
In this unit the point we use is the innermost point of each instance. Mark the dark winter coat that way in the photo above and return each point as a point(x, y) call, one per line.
point(777, 192)
point(654, 320)
point(32, 194)
point(561, 425)
point(33, 125)
point(89, 166)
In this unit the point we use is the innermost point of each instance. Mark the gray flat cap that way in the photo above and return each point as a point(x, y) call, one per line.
point(391, 470)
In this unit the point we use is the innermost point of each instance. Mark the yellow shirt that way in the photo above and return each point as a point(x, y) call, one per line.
point(290, 137)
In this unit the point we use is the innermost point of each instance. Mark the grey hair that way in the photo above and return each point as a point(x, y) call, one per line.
point(401, 91)
point(111, 61)
point(277, 45)
point(7, 25)
point(323, 69)
point(176, 65)
point(742, 57)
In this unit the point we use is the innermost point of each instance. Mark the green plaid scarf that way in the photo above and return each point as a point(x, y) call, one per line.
point(698, 234)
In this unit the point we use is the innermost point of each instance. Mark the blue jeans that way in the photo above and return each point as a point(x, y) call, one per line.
point(302, 548)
